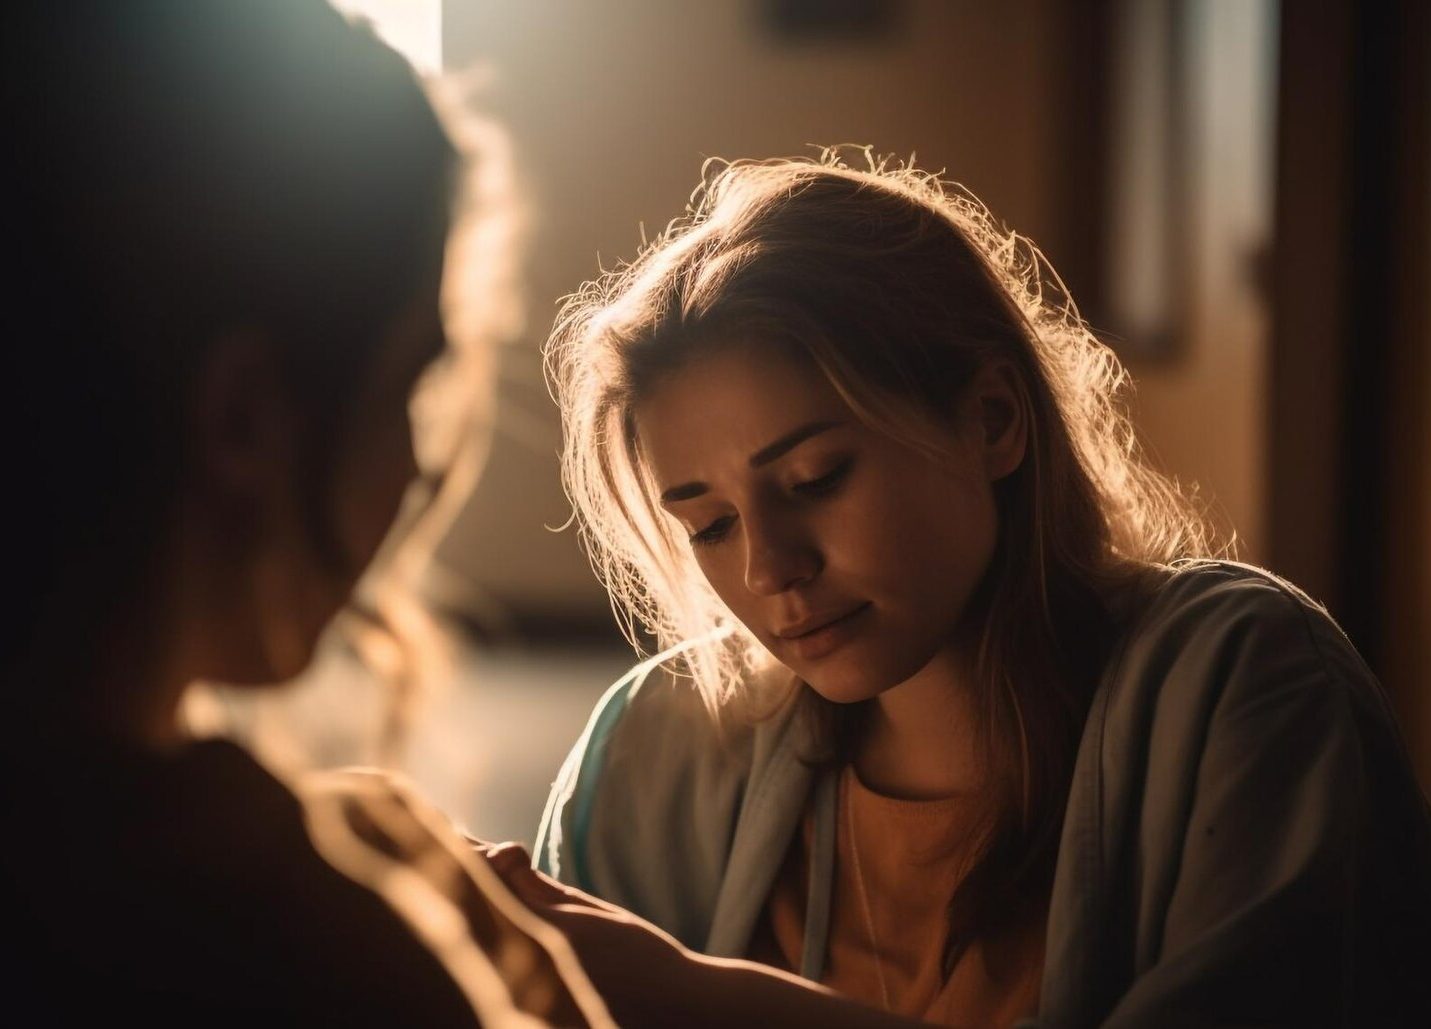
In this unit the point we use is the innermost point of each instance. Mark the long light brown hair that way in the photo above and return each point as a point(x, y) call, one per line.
point(898, 287)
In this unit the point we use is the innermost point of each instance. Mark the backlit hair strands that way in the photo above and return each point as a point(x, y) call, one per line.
point(898, 286)
point(680, 280)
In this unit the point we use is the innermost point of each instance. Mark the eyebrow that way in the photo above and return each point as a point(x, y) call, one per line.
point(763, 456)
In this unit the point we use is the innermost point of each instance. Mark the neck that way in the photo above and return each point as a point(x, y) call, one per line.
point(921, 741)
point(120, 694)
point(145, 719)
point(115, 670)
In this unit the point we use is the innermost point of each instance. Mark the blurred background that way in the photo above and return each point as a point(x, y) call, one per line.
point(1237, 192)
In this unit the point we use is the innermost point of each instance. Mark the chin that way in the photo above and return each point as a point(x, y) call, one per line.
point(855, 675)
point(289, 654)
point(271, 672)
point(289, 670)
point(844, 696)
point(845, 685)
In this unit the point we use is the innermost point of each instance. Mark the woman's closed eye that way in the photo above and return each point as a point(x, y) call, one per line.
point(714, 532)
point(826, 483)
point(821, 486)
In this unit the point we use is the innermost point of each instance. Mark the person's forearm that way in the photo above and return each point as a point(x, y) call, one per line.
point(722, 992)
point(647, 978)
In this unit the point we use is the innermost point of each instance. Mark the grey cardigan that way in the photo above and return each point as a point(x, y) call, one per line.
point(1244, 841)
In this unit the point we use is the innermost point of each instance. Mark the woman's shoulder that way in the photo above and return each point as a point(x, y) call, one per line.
point(656, 760)
point(1217, 634)
point(652, 716)
point(1202, 584)
point(1240, 771)
point(211, 849)
point(656, 717)
point(1204, 600)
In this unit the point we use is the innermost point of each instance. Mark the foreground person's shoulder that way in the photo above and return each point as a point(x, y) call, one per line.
point(376, 829)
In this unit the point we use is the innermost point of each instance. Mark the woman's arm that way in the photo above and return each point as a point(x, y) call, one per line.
point(647, 978)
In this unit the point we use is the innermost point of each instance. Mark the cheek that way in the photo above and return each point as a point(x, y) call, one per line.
point(369, 489)
point(723, 566)
point(923, 534)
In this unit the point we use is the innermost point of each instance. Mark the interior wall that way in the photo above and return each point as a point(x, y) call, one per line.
point(1202, 410)
point(612, 108)
point(1350, 360)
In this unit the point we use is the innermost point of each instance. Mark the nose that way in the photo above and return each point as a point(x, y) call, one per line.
point(778, 556)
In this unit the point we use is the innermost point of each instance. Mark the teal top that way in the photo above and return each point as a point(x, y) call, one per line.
point(1244, 840)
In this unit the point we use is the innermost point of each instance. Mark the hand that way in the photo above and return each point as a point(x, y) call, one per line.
point(536, 889)
point(641, 971)
point(647, 978)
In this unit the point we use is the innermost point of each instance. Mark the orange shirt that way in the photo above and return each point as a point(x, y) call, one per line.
point(897, 863)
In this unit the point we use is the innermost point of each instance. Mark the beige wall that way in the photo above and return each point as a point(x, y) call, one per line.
point(614, 104)
point(1202, 414)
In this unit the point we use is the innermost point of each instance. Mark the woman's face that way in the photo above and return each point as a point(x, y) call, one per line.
point(850, 555)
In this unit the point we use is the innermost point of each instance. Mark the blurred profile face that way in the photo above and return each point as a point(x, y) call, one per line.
point(376, 462)
point(849, 555)
point(300, 590)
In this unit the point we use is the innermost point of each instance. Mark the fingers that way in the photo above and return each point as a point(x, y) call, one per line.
point(537, 890)
point(486, 847)
point(509, 854)
point(579, 898)
point(512, 863)
point(589, 912)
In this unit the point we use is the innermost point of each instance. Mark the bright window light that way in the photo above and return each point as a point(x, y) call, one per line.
point(411, 27)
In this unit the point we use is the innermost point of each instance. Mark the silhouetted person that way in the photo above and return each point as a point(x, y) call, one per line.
point(230, 221)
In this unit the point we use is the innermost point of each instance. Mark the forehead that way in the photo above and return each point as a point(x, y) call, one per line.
point(723, 405)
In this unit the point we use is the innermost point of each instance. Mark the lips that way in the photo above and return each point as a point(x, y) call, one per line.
point(819, 636)
point(814, 623)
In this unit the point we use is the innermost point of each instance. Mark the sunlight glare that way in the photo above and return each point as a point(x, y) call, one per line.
point(411, 27)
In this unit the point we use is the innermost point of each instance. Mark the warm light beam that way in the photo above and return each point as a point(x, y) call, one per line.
point(411, 27)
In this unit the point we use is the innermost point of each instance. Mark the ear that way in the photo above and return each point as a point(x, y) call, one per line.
point(1000, 410)
point(242, 424)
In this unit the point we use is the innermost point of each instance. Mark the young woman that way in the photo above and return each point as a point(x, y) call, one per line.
point(958, 715)
point(230, 221)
